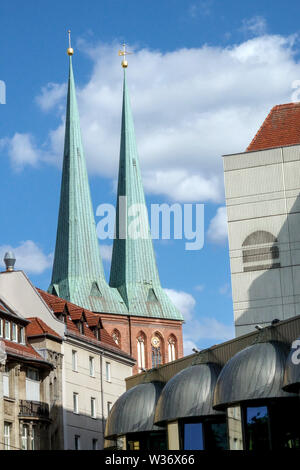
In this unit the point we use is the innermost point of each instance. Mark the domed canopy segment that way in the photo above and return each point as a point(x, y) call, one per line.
point(189, 393)
point(291, 382)
point(255, 373)
point(134, 411)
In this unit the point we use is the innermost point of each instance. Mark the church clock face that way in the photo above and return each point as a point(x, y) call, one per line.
point(155, 342)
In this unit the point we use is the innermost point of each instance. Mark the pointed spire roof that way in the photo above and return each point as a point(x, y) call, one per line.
point(133, 270)
point(78, 274)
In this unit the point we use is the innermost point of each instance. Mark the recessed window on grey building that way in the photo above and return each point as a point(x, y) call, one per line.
point(260, 251)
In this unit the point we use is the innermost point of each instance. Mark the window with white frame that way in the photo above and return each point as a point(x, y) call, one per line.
point(22, 334)
point(7, 433)
point(33, 438)
point(6, 383)
point(93, 407)
point(7, 330)
point(107, 371)
point(92, 366)
point(74, 361)
point(141, 352)
point(25, 434)
point(109, 406)
point(14, 335)
point(32, 385)
point(1, 328)
point(77, 442)
point(75, 402)
point(172, 349)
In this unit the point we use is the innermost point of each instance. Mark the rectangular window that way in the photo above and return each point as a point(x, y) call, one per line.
point(6, 384)
point(1, 328)
point(75, 403)
point(109, 405)
point(25, 437)
point(74, 361)
point(33, 438)
point(257, 428)
point(107, 371)
point(32, 385)
point(93, 407)
point(14, 332)
point(7, 432)
point(77, 442)
point(95, 444)
point(92, 366)
point(22, 334)
point(7, 330)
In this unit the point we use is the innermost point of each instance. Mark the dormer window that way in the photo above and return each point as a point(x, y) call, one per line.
point(7, 332)
point(22, 334)
point(80, 326)
point(14, 335)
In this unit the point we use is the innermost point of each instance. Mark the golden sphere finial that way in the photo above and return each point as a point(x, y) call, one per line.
point(70, 50)
point(124, 53)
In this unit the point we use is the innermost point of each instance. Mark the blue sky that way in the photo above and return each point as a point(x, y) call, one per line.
point(202, 79)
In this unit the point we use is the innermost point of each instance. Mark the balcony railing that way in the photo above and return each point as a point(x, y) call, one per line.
point(34, 409)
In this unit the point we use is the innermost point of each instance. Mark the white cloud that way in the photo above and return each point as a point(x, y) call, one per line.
point(183, 301)
point(51, 95)
point(29, 257)
point(198, 329)
point(23, 150)
point(207, 328)
point(190, 106)
point(200, 7)
point(188, 347)
point(200, 287)
point(256, 26)
point(218, 227)
point(106, 252)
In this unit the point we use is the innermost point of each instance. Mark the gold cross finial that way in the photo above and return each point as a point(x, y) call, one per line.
point(70, 51)
point(124, 53)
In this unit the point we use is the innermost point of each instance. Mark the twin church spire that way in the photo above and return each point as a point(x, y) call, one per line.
point(78, 274)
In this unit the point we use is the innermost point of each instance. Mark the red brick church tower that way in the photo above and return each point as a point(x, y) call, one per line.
point(134, 308)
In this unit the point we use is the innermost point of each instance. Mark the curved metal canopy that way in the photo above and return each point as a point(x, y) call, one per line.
point(189, 393)
point(291, 382)
point(254, 373)
point(134, 410)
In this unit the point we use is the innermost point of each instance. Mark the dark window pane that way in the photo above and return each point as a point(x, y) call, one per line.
point(285, 429)
point(193, 436)
point(257, 428)
point(215, 436)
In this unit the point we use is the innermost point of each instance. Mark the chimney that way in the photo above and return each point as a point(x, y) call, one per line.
point(9, 260)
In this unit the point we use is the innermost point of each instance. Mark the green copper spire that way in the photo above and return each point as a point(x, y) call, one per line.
point(133, 270)
point(78, 274)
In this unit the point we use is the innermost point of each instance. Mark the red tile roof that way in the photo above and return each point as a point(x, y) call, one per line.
point(280, 128)
point(59, 305)
point(37, 327)
point(24, 350)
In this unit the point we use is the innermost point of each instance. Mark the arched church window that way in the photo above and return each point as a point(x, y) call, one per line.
point(260, 251)
point(116, 336)
point(157, 346)
point(172, 348)
point(141, 352)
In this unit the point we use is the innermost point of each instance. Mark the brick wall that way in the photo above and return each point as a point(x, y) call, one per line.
point(131, 327)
